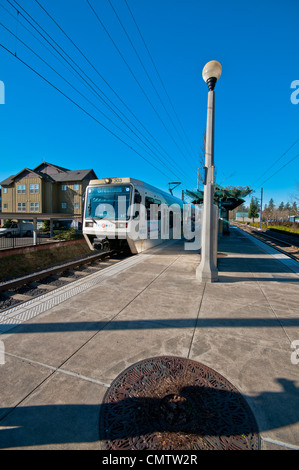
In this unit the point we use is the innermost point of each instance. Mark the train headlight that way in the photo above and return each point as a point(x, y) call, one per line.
point(121, 225)
point(88, 224)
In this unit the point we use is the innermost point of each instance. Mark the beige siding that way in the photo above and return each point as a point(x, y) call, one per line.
point(26, 196)
point(48, 197)
point(8, 198)
point(70, 196)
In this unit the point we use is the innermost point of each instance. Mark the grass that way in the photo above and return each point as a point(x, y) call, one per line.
point(290, 228)
point(18, 265)
point(282, 229)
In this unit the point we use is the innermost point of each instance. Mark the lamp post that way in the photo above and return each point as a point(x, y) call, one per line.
point(207, 269)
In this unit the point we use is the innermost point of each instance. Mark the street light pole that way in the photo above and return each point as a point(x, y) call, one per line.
point(207, 270)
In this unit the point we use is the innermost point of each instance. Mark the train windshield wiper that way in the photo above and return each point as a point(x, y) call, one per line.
point(89, 207)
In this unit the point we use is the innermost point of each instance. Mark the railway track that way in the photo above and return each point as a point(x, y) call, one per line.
point(287, 244)
point(20, 290)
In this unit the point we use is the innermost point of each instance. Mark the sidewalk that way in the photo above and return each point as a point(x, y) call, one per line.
point(68, 347)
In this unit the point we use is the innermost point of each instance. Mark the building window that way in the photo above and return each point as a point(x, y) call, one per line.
point(4, 190)
point(63, 205)
point(21, 188)
point(76, 205)
point(34, 188)
point(5, 206)
point(34, 206)
point(63, 187)
point(21, 207)
point(76, 187)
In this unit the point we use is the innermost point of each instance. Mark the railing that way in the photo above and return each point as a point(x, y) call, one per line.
point(14, 241)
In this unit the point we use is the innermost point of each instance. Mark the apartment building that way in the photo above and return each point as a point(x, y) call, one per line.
point(45, 192)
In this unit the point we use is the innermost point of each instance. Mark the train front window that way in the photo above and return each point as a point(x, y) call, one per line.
point(108, 202)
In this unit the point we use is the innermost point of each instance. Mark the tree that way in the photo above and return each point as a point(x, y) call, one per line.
point(253, 209)
point(288, 209)
point(294, 208)
point(271, 209)
point(271, 206)
point(281, 206)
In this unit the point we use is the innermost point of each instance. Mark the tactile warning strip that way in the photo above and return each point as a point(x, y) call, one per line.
point(14, 316)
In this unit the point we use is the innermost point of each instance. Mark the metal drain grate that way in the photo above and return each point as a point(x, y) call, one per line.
point(173, 403)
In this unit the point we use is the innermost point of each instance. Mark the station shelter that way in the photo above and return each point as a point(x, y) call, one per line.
point(227, 199)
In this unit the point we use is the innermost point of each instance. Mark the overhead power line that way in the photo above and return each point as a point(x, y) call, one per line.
point(132, 73)
point(74, 88)
point(146, 72)
point(276, 161)
point(81, 108)
point(74, 69)
point(159, 76)
point(287, 163)
point(62, 30)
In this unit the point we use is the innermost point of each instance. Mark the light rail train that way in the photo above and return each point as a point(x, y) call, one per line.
point(128, 214)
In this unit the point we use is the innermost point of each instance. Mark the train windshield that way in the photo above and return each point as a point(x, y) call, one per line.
point(108, 202)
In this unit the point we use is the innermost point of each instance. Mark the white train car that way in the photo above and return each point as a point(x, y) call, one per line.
point(125, 213)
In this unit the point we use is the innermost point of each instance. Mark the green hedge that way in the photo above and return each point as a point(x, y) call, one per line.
point(68, 234)
point(282, 229)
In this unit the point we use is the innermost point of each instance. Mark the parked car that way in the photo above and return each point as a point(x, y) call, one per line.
point(17, 229)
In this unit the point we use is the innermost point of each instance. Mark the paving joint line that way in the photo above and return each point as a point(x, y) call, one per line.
point(57, 369)
point(14, 316)
point(279, 443)
point(197, 318)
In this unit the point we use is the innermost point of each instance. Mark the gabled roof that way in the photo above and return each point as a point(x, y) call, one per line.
point(62, 175)
point(73, 175)
point(43, 164)
point(10, 179)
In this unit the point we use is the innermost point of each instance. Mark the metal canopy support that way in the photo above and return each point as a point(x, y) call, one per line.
point(34, 230)
point(51, 227)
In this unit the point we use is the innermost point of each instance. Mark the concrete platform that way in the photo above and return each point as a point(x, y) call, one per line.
point(59, 354)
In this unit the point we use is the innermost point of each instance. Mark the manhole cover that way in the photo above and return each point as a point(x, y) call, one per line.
point(172, 403)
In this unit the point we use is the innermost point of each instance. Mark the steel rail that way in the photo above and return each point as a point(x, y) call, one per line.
point(269, 240)
point(21, 281)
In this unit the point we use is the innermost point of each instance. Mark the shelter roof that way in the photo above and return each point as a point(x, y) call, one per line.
point(229, 198)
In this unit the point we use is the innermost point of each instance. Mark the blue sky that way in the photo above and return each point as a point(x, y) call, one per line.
point(256, 125)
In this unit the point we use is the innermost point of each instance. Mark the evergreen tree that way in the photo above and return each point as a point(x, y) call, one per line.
point(281, 206)
point(271, 209)
point(253, 209)
point(287, 207)
point(271, 206)
point(294, 209)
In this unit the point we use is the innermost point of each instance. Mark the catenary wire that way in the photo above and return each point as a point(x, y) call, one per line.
point(61, 29)
point(159, 76)
point(184, 177)
point(80, 107)
point(279, 158)
point(147, 74)
point(131, 71)
point(287, 163)
point(74, 88)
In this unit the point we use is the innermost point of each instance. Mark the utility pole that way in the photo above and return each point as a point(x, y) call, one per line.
point(261, 211)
